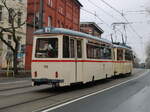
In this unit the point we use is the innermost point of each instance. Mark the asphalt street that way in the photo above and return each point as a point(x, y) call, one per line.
point(18, 95)
point(133, 96)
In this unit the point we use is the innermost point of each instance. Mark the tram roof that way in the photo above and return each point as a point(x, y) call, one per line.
point(122, 46)
point(51, 30)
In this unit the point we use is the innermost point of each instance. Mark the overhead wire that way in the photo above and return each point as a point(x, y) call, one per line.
point(117, 29)
point(103, 10)
point(116, 10)
point(93, 14)
point(100, 19)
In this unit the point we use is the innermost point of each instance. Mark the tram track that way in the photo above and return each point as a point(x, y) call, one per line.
point(8, 89)
point(26, 102)
point(54, 93)
point(51, 91)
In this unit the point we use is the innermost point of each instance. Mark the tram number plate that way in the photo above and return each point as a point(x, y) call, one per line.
point(45, 66)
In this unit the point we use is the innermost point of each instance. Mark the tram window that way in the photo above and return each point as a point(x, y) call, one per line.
point(98, 52)
point(72, 48)
point(79, 49)
point(46, 48)
point(90, 51)
point(69, 48)
point(119, 54)
point(66, 47)
point(128, 55)
point(107, 53)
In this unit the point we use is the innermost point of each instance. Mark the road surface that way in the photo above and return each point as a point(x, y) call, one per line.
point(111, 95)
point(131, 96)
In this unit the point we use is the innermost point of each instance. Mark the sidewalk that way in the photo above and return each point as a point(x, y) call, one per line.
point(23, 75)
point(11, 83)
point(13, 79)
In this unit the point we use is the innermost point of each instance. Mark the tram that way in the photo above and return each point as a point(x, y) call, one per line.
point(63, 57)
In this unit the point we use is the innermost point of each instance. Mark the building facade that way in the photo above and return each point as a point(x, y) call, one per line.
point(20, 7)
point(91, 28)
point(54, 13)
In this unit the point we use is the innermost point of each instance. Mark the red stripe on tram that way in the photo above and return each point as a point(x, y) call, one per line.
point(79, 61)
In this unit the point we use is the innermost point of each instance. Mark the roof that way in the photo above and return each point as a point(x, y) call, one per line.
point(122, 46)
point(78, 3)
point(92, 23)
point(51, 30)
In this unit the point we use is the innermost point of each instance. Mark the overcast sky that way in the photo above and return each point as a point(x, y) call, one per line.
point(140, 20)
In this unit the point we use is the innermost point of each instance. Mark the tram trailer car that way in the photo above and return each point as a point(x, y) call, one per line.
point(123, 57)
point(63, 57)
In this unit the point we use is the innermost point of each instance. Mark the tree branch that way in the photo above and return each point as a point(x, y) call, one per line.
point(9, 28)
point(14, 32)
point(5, 42)
point(5, 5)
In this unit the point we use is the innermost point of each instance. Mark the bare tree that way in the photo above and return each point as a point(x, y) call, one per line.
point(136, 61)
point(148, 56)
point(12, 29)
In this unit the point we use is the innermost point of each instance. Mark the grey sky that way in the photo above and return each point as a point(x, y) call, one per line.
point(141, 19)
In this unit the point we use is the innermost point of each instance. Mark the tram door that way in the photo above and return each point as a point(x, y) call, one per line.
point(72, 49)
point(78, 58)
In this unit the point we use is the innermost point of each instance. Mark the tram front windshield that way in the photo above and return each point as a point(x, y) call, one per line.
point(46, 48)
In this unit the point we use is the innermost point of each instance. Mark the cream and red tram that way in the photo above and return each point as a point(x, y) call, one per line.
point(63, 57)
point(123, 59)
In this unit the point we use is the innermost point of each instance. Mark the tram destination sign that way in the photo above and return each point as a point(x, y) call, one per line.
point(47, 29)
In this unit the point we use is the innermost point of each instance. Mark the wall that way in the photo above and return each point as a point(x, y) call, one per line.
point(20, 32)
point(90, 29)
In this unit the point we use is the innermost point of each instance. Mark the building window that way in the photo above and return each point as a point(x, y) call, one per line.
point(9, 41)
point(1, 12)
point(49, 21)
point(20, 0)
point(61, 25)
point(50, 3)
point(1, 46)
point(19, 18)
point(9, 37)
point(10, 15)
point(19, 46)
point(58, 23)
point(90, 31)
point(22, 48)
point(60, 10)
point(36, 19)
